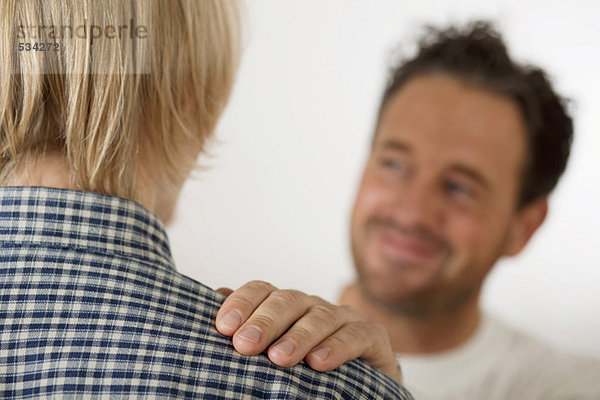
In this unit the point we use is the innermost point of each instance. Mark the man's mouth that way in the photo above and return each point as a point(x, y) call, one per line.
point(406, 248)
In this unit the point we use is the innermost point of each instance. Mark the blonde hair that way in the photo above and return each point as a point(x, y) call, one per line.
point(109, 103)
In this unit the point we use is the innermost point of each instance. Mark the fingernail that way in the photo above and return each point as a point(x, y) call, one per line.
point(250, 334)
point(286, 347)
point(321, 353)
point(231, 320)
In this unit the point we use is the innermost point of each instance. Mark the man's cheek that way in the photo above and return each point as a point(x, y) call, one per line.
point(375, 197)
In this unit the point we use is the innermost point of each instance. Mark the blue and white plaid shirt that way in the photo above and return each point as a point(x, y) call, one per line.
point(91, 307)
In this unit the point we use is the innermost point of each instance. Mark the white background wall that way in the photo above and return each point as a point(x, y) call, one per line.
point(275, 200)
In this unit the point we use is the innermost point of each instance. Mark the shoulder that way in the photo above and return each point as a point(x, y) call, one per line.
point(499, 363)
point(121, 322)
point(230, 371)
point(208, 363)
point(545, 371)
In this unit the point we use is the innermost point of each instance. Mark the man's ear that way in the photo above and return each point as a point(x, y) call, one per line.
point(524, 224)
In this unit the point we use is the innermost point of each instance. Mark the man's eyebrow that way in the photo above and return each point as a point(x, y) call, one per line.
point(471, 173)
point(392, 145)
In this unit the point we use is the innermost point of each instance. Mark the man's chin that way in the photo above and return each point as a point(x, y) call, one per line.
point(387, 291)
point(401, 277)
point(423, 301)
point(409, 304)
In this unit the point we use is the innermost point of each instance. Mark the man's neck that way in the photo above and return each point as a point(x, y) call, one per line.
point(418, 334)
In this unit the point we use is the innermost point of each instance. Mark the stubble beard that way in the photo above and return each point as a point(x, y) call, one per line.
point(426, 301)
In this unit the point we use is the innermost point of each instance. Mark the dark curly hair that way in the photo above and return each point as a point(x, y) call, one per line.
point(478, 55)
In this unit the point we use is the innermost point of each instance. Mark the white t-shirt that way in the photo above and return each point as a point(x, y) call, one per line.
point(500, 363)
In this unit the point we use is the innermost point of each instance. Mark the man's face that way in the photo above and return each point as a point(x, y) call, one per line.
point(437, 203)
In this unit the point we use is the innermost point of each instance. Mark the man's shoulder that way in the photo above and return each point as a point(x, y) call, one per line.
point(500, 362)
point(543, 370)
point(525, 346)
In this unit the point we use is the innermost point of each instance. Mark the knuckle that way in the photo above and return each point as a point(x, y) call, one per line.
point(379, 332)
point(361, 332)
point(302, 334)
point(317, 300)
point(352, 311)
point(240, 303)
point(260, 285)
point(336, 342)
point(289, 297)
point(325, 313)
point(377, 335)
point(380, 329)
point(262, 321)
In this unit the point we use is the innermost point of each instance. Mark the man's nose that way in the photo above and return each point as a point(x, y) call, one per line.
point(417, 205)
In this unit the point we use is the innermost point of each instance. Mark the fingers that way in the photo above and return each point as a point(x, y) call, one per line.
point(304, 327)
point(240, 305)
point(268, 322)
point(258, 313)
point(359, 339)
point(318, 322)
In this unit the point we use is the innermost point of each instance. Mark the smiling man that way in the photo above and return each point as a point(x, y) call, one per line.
point(467, 148)
point(435, 206)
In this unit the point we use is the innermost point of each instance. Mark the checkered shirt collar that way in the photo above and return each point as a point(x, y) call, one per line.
point(61, 218)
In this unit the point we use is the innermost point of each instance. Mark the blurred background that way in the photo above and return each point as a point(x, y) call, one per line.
point(274, 198)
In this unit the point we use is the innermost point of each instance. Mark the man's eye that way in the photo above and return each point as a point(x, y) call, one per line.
point(393, 165)
point(457, 188)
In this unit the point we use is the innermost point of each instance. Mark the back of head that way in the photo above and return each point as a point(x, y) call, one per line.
point(110, 85)
point(476, 54)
